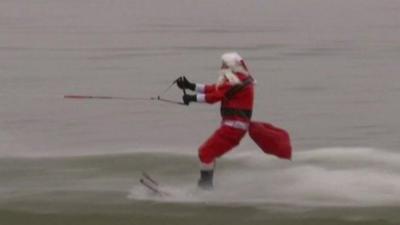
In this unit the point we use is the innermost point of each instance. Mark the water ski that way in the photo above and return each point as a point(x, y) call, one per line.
point(152, 185)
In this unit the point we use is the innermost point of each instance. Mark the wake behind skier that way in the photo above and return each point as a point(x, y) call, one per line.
point(235, 90)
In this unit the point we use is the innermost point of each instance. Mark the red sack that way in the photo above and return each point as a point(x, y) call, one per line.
point(272, 140)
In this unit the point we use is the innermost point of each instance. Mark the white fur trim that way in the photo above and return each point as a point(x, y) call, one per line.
point(231, 59)
point(235, 62)
point(208, 167)
point(200, 88)
point(236, 124)
point(201, 98)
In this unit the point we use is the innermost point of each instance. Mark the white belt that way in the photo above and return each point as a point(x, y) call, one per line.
point(236, 124)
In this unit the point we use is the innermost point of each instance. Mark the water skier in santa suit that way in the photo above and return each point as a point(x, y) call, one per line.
point(235, 90)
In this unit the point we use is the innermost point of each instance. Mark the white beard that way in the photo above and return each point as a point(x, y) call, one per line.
point(227, 75)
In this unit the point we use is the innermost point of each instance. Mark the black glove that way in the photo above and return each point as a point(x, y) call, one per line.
point(183, 83)
point(189, 98)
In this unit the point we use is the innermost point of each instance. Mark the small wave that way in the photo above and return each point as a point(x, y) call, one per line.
point(320, 177)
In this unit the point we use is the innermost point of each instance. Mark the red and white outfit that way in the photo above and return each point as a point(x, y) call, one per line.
point(235, 110)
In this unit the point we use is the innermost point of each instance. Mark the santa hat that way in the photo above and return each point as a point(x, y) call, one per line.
point(235, 62)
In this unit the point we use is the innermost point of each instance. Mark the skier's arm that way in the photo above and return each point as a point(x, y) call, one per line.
point(205, 88)
point(184, 83)
point(213, 93)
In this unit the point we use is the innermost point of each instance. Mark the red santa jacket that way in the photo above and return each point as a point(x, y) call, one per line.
point(235, 105)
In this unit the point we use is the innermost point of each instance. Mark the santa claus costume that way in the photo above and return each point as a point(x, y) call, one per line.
point(235, 90)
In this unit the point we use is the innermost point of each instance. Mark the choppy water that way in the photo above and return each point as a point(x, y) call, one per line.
point(327, 71)
point(323, 186)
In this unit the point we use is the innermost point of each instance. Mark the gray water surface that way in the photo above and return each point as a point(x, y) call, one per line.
point(327, 71)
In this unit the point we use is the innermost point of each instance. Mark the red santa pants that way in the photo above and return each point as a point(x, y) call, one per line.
point(223, 140)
